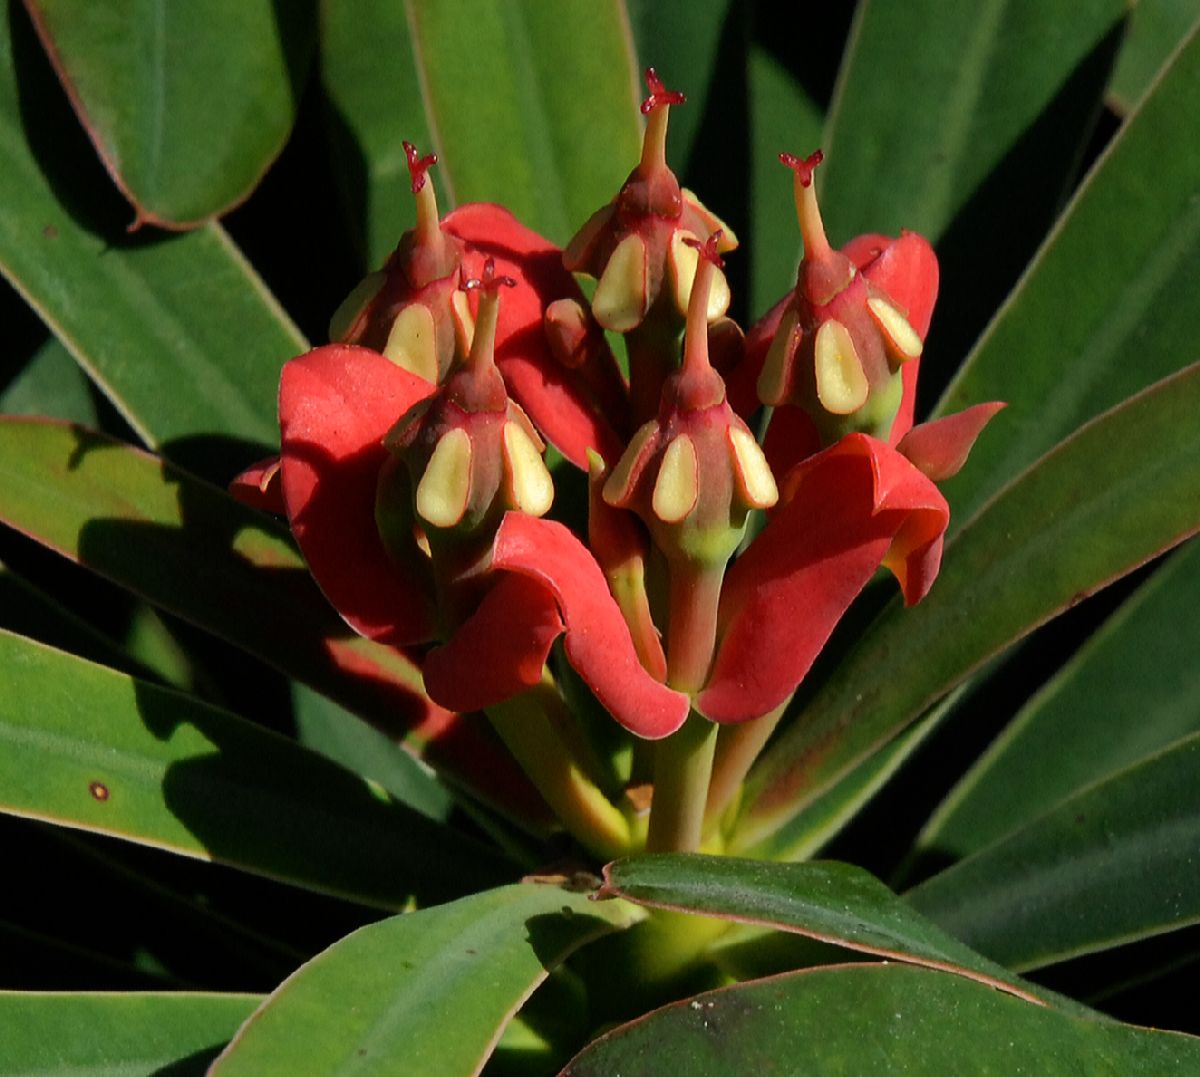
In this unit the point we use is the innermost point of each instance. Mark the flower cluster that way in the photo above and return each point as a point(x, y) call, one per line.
point(715, 563)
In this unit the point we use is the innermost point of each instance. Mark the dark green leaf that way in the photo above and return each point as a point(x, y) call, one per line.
point(877, 1019)
point(182, 145)
point(51, 383)
point(1133, 689)
point(91, 748)
point(1112, 864)
point(432, 991)
point(966, 123)
point(534, 105)
point(1156, 27)
point(824, 900)
point(1107, 307)
point(179, 332)
point(55, 1034)
point(1103, 502)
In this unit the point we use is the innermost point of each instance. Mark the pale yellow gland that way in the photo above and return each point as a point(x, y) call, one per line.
point(755, 482)
point(712, 223)
point(842, 384)
point(774, 377)
point(617, 485)
point(412, 342)
point(623, 294)
point(445, 488)
point(580, 247)
point(345, 319)
point(682, 262)
point(678, 482)
point(464, 322)
point(902, 339)
point(530, 487)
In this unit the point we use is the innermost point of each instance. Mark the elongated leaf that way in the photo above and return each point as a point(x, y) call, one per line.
point(877, 1019)
point(182, 145)
point(1106, 308)
point(1133, 689)
point(429, 992)
point(51, 383)
point(534, 105)
point(375, 108)
point(179, 331)
point(91, 748)
point(824, 900)
point(1155, 30)
point(931, 131)
point(196, 552)
point(1111, 864)
point(57, 1034)
point(1104, 501)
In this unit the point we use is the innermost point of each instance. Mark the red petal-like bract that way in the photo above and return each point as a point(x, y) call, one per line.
point(499, 650)
point(597, 642)
point(906, 270)
point(548, 392)
point(853, 507)
point(336, 403)
point(940, 448)
point(259, 486)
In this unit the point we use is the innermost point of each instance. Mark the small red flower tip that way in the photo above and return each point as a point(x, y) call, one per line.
point(489, 283)
point(708, 248)
point(659, 94)
point(802, 166)
point(418, 166)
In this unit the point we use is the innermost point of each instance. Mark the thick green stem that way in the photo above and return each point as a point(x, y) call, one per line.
point(738, 746)
point(653, 349)
point(695, 596)
point(530, 734)
point(682, 765)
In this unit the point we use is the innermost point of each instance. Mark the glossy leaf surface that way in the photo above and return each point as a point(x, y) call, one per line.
point(182, 145)
point(1112, 864)
point(178, 331)
point(91, 748)
point(1100, 504)
point(1106, 308)
point(824, 900)
point(1155, 31)
point(1130, 691)
point(428, 992)
point(877, 1019)
point(56, 1034)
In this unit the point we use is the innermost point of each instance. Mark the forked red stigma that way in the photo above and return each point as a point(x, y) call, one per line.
point(708, 248)
point(418, 166)
point(803, 166)
point(489, 283)
point(659, 94)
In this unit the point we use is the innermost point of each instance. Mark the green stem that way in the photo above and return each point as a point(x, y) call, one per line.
point(530, 734)
point(695, 597)
point(738, 746)
point(653, 350)
point(682, 765)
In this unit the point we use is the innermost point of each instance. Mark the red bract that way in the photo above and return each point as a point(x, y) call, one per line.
point(847, 510)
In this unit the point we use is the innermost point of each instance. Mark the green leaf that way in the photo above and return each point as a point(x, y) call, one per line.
point(966, 123)
point(196, 552)
point(877, 1019)
point(178, 331)
point(1156, 27)
point(51, 383)
point(783, 117)
point(1103, 502)
point(332, 731)
point(57, 1034)
point(374, 108)
point(534, 105)
point(432, 991)
point(1107, 307)
point(1110, 865)
point(823, 900)
point(91, 748)
point(181, 144)
point(1078, 730)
